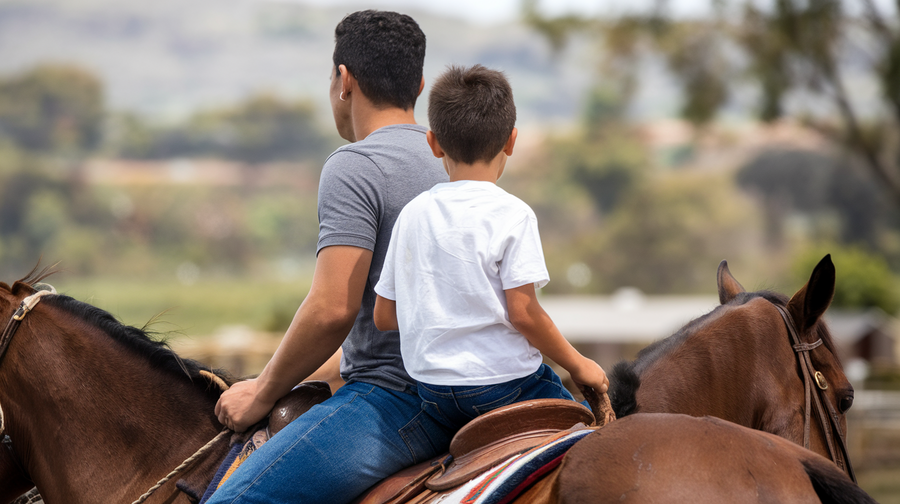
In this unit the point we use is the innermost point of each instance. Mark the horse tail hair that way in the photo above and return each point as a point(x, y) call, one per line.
point(833, 486)
point(623, 385)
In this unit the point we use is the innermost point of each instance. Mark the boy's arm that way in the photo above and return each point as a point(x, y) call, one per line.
point(530, 319)
point(385, 314)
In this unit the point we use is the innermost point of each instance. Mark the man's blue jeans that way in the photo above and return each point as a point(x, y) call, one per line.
point(338, 449)
point(457, 405)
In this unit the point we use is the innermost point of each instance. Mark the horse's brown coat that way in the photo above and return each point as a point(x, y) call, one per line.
point(651, 458)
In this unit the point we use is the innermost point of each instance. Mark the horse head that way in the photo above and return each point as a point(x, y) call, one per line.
point(759, 359)
point(826, 393)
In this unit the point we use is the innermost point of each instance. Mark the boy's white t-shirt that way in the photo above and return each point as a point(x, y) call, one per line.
point(453, 251)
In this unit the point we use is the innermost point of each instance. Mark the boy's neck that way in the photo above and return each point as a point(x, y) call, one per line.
point(483, 171)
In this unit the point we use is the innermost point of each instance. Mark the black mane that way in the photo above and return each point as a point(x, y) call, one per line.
point(139, 341)
point(625, 378)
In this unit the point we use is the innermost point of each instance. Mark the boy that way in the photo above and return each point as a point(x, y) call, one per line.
point(459, 277)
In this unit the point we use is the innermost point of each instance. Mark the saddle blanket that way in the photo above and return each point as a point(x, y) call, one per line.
point(233, 460)
point(504, 482)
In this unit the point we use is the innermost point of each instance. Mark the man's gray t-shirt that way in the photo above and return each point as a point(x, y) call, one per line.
point(363, 187)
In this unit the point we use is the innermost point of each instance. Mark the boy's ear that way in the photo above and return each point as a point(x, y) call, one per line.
point(511, 143)
point(421, 86)
point(433, 143)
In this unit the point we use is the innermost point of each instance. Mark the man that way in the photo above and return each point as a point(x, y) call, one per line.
point(374, 425)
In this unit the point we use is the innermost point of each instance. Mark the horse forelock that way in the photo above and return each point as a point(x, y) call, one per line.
point(156, 351)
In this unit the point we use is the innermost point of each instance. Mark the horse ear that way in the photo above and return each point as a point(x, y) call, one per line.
point(811, 301)
point(729, 288)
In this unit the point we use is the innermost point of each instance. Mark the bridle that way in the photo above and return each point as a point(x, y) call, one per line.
point(830, 419)
point(25, 306)
point(15, 320)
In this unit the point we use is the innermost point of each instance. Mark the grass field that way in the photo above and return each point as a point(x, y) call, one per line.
point(197, 310)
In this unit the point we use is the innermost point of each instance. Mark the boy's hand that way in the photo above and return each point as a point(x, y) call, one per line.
point(588, 373)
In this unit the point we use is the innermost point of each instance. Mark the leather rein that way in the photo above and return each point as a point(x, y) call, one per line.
point(830, 420)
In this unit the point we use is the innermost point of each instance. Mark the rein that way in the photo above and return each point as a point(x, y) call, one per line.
point(830, 419)
point(24, 308)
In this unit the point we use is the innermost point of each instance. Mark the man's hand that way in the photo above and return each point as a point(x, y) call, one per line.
point(240, 406)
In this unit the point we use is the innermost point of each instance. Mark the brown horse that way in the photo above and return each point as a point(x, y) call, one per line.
point(739, 363)
point(660, 457)
point(95, 411)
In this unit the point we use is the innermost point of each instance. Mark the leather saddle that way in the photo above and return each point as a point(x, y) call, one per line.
point(481, 444)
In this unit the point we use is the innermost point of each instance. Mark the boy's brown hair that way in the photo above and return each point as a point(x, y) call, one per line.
point(471, 113)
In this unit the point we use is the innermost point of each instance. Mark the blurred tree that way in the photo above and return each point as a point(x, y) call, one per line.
point(52, 108)
point(670, 233)
point(821, 186)
point(260, 129)
point(863, 279)
point(788, 46)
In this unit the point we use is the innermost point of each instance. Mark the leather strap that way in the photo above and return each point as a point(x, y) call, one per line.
point(830, 420)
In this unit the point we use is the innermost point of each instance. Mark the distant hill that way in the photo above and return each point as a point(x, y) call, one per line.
point(167, 58)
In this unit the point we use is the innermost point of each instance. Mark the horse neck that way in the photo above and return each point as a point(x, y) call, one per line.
point(730, 367)
point(89, 416)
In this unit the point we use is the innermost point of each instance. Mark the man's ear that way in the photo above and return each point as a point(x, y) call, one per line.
point(433, 143)
point(421, 86)
point(511, 143)
point(348, 82)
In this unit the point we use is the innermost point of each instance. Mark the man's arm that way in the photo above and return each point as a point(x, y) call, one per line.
point(319, 327)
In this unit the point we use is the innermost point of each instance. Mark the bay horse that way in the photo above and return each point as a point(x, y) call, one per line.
point(760, 360)
point(96, 411)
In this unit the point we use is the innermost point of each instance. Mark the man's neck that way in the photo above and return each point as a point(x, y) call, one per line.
point(368, 118)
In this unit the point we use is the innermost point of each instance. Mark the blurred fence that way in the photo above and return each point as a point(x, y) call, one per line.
point(874, 429)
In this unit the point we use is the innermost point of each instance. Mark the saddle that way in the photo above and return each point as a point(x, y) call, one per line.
point(479, 446)
point(482, 444)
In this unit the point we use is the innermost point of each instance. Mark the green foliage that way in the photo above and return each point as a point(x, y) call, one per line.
point(55, 108)
point(260, 129)
point(606, 164)
point(180, 310)
point(863, 279)
point(822, 187)
point(669, 234)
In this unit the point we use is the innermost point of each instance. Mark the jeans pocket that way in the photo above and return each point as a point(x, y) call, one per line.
point(496, 403)
point(423, 437)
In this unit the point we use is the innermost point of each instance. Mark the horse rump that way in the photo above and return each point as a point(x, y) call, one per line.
point(832, 485)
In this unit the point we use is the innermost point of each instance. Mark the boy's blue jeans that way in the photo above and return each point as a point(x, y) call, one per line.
point(454, 406)
point(338, 449)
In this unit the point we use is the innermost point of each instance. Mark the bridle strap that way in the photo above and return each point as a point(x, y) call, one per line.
point(829, 421)
point(12, 325)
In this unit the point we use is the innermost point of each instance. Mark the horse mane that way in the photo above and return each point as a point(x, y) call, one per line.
point(156, 351)
point(625, 378)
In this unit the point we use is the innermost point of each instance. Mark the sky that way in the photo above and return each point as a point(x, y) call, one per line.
point(498, 11)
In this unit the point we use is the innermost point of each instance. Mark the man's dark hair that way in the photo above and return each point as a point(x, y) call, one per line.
point(385, 51)
point(471, 112)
